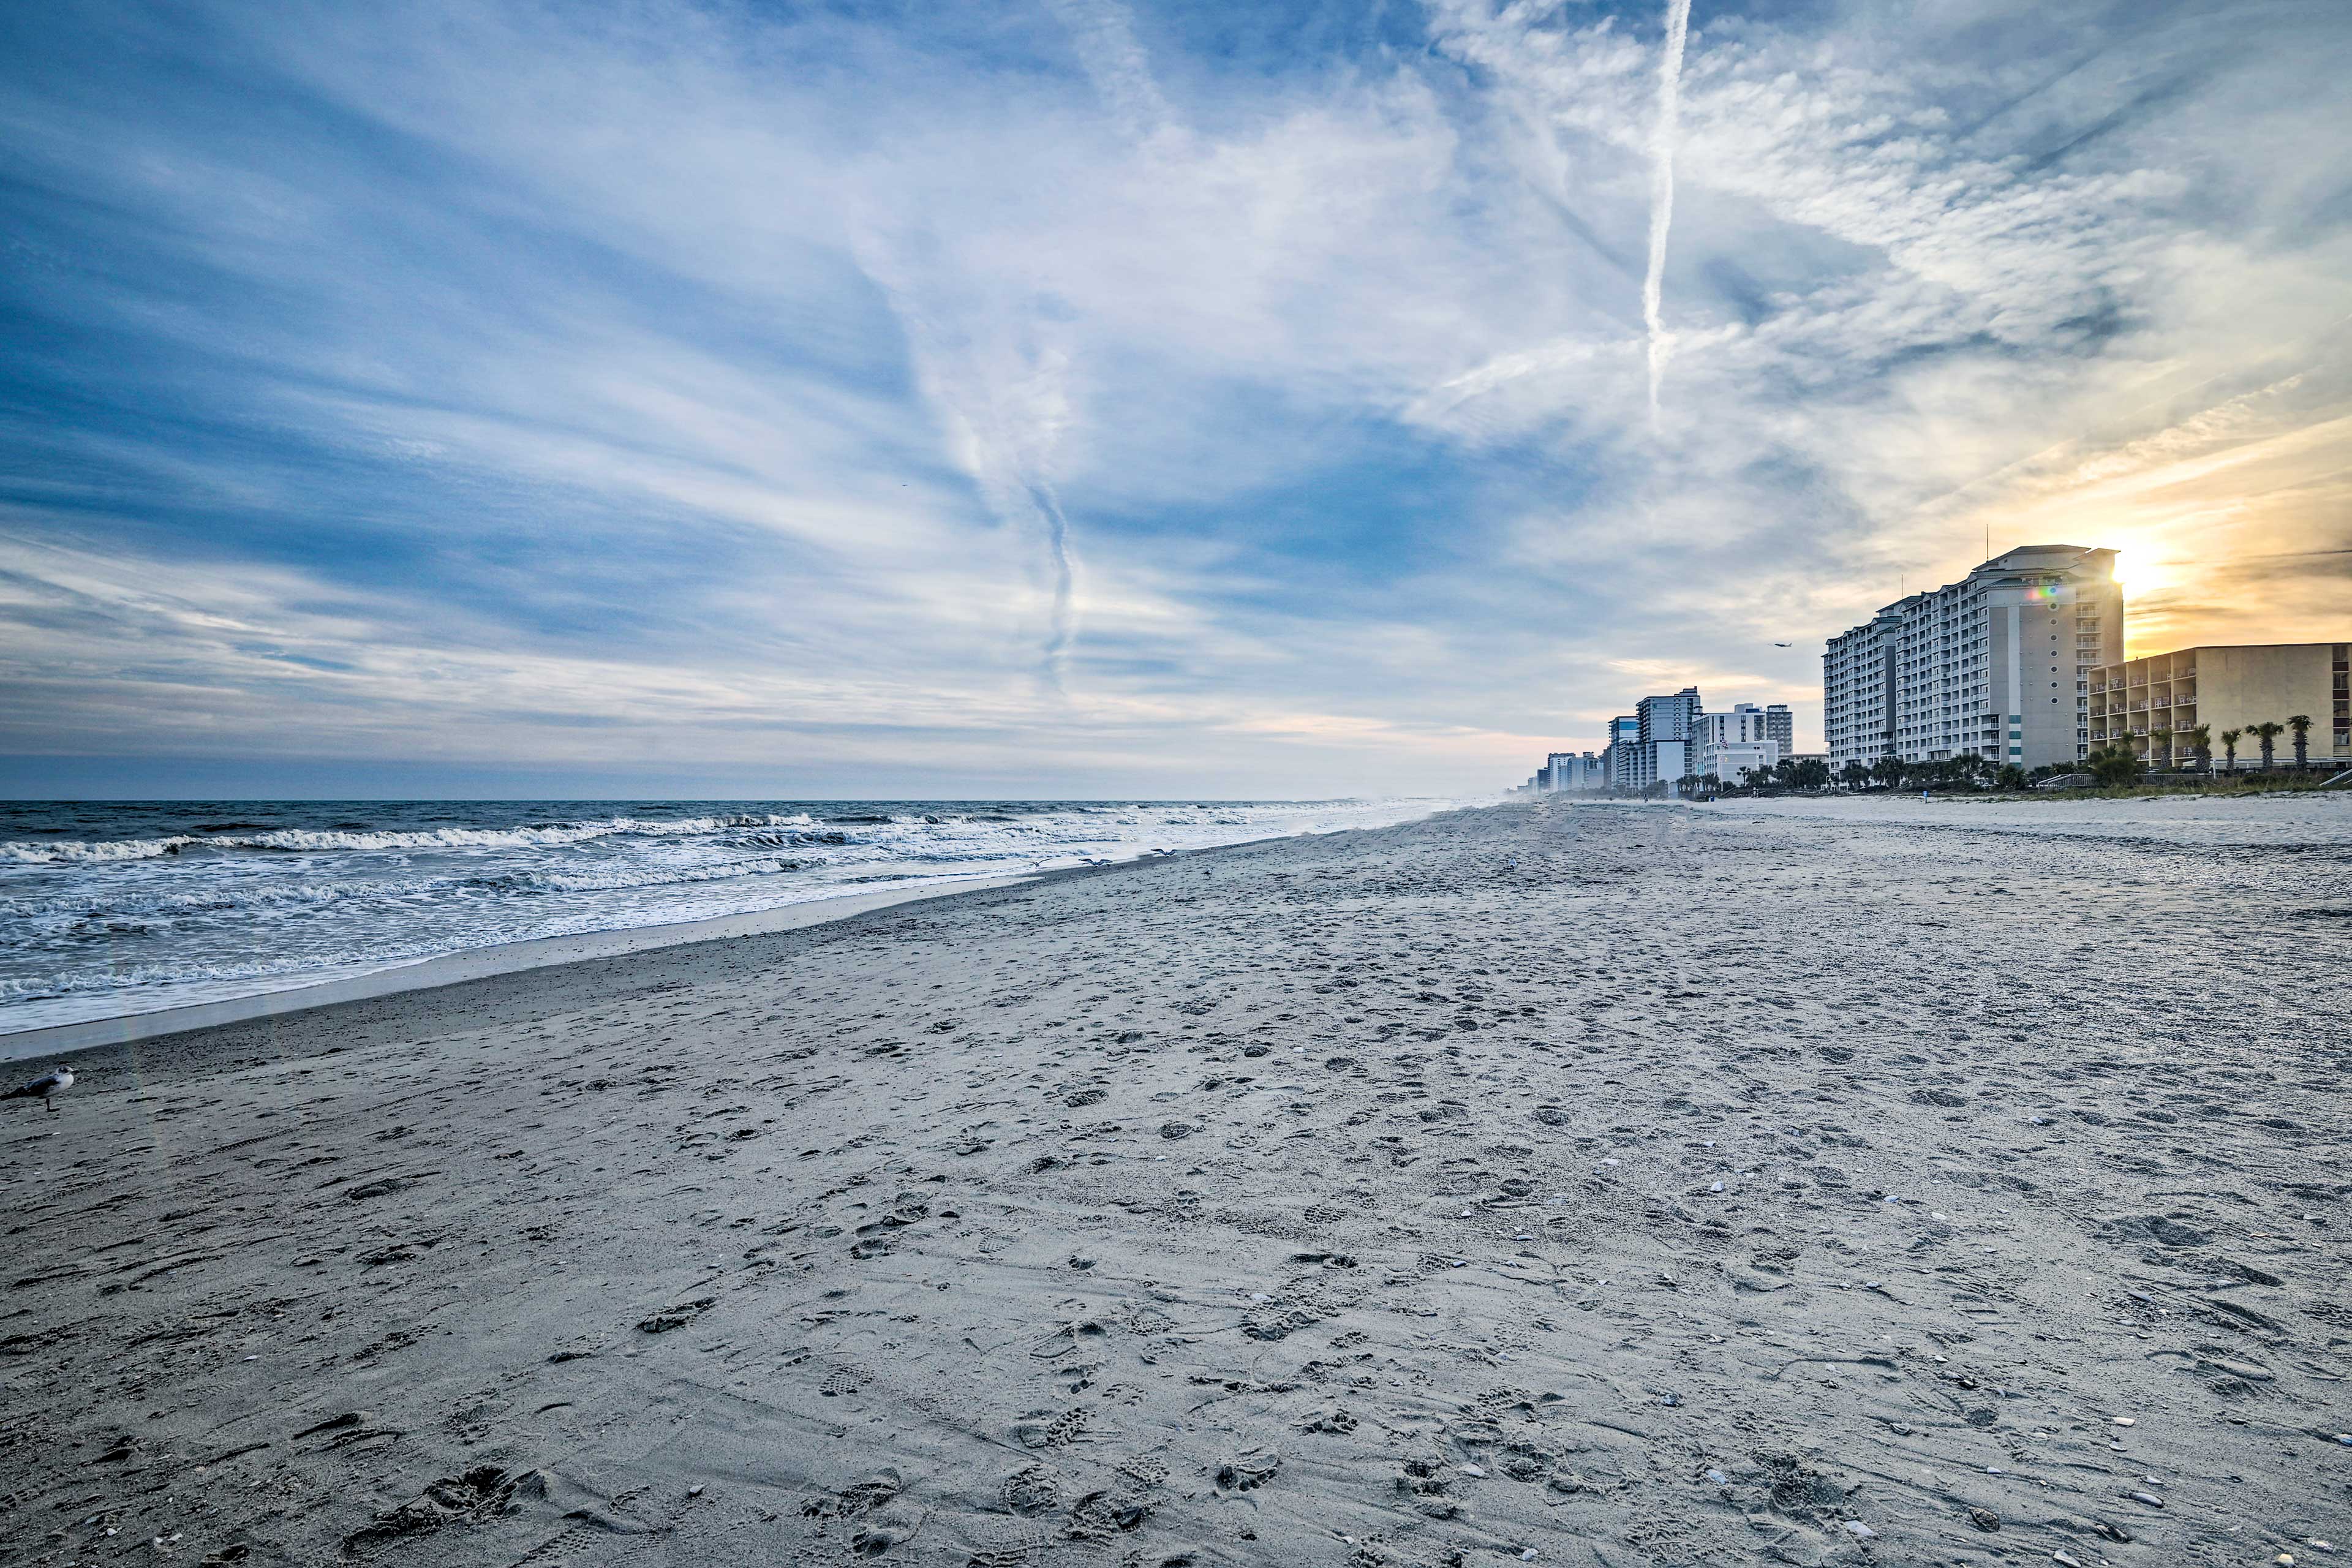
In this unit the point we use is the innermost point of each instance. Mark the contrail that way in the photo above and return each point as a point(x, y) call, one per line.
point(1104, 36)
point(1662, 188)
point(1057, 534)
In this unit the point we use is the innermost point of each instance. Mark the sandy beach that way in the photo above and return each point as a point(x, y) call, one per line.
point(1569, 1184)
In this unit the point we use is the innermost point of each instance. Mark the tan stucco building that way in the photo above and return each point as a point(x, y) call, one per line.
point(2228, 688)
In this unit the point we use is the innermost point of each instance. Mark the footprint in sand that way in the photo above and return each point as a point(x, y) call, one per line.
point(1249, 1470)
point(1031, 1491)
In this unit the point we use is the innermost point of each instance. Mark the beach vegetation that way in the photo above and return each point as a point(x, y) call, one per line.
point(2115, 765)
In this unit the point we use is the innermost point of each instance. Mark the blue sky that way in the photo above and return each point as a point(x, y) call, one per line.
point(1094, 398)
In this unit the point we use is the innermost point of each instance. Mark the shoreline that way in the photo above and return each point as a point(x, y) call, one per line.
point(598, 957)
point(119, 999)
point(121, 1031)
point(124, 1029)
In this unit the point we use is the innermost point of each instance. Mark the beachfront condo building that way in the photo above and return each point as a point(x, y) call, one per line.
point(2155, 700)
point(1667, 727)
point(1661, 761)
point(1740, 762)
point(1743, 738)
point(1744, 722)
point(1858, 688)
point(1573, 772)
point(1996, 665)
point(1617, 757)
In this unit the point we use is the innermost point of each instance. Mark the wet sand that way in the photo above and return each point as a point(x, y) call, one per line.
point(1570, 1185)
point(452, 969)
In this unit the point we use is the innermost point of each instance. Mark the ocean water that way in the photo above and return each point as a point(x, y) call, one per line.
point(116, 908)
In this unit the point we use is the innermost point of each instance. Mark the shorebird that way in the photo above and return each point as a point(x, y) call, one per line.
point(45, 1089)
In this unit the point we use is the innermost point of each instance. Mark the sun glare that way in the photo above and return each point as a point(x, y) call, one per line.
point(2140, 571)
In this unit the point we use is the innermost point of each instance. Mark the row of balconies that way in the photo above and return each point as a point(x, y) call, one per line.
point(2114, 726)
point(2140, 672)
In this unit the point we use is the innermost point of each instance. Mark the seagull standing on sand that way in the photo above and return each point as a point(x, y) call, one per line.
point(45, 1089)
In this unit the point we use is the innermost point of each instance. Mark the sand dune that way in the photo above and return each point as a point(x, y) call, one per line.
point(1606, 1185)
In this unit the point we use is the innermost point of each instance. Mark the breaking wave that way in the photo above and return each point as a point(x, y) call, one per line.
point(70, 853)
point(298, 840)
point(127, 907)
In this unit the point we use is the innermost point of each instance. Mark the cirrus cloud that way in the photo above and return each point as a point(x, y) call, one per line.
point(1093, 398)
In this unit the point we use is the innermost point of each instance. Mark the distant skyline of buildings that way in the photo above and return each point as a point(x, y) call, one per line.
point(2018, 665)
point(1670, 740)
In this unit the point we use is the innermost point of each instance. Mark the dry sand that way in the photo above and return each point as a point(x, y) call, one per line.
point(1576, 1184)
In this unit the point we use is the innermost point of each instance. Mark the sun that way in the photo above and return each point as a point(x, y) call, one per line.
point(2141, 572)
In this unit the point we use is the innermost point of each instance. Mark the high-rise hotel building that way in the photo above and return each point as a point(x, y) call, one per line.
point(1618, 758)
point(1858, 688)
point(1668, 728)
point(1996, 665)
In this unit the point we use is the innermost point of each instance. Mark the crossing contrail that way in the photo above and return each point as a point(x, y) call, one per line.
point(1662, 189)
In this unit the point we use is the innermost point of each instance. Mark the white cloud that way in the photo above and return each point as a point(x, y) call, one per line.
point(1276, 419)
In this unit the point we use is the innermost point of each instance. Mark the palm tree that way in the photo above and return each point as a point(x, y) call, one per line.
point(2301, 725)
point(2267, 732)
point(2159, 739)
point(2229, 739)
point(2200, 740)
point(2114, 764)
point(1887, 771)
